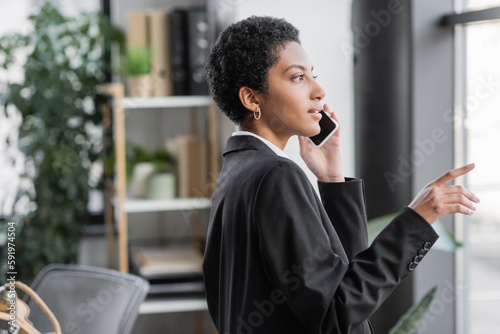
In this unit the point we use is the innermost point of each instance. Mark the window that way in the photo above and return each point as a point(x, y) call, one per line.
point(482, 4)
point(14, 19)
point(482, 146)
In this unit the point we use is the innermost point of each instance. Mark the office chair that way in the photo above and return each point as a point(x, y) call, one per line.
point(87, 300)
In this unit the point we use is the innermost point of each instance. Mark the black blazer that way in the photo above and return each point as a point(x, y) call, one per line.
point(280, 260)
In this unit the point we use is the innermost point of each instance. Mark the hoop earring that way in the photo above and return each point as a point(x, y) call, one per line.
point(260, 114)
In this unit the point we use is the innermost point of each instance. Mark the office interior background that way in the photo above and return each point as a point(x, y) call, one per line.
point(430, 90)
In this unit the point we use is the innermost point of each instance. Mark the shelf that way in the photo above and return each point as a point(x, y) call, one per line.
point(173, 305)
point(132, 205)
point(166, 102)
point(124, 205)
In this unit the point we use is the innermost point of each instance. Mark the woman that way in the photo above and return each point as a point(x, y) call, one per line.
point(279, 259)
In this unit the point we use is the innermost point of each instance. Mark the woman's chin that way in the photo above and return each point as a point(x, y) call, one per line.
point(313, 131)
point(308, 130)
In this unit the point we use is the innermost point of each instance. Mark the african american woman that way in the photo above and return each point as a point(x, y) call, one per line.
point(279, 258)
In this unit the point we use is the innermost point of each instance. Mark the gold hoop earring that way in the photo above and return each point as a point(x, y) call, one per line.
point(260, 114)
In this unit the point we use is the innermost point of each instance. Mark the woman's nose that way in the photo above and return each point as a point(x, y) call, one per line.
point(317, 93)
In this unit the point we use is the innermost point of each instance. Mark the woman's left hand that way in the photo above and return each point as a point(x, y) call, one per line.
point(326, 161)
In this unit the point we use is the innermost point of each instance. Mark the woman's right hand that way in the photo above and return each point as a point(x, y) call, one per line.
point(326, 161)
point(437, 199)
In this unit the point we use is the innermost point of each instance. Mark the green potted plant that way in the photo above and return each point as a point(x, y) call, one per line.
point(58, 99)
point(162, 183)
point(150, 174)
point(137, 67)
point(410, 321)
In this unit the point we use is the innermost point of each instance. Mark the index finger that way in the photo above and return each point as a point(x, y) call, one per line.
point(453, 174)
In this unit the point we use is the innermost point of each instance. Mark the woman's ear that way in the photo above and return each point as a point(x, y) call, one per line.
point(248, 98)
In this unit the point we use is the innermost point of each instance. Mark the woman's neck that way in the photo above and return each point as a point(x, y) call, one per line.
point(280, 140)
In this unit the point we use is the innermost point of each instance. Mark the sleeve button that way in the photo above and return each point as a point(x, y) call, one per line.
point(412, 266)
point(427, 246)
point(416, 259)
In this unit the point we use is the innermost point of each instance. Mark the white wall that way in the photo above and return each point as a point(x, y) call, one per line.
point(324, 27)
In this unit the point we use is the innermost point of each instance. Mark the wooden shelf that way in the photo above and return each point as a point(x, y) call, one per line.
point(132, 205)
point(125, 205)
point(173, 305)
point(131, 103)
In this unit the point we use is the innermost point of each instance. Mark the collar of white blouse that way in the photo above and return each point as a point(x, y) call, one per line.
point(273, 147)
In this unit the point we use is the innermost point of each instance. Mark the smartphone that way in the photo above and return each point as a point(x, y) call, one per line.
point(328, 127)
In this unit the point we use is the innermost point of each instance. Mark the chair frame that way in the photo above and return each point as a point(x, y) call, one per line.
point(129, 316)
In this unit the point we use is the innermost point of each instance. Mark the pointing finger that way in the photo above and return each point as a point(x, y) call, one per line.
point(453, 174)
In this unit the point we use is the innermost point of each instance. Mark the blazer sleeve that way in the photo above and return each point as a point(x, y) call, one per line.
point(324, 291)
point(345, 205)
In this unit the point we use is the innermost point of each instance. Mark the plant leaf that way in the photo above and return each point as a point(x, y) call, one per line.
point(376, 225)
point(409, 322)
point(446, 241)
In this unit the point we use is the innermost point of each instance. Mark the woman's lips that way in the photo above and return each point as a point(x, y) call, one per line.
point(315, 114)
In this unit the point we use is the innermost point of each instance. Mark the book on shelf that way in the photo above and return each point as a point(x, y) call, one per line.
point(155, 262)
point(192, 286)
point(198, 47)
point(159, 26)
point(179, 41)
point(192, 165)
point(138, 29)
point(202, 180)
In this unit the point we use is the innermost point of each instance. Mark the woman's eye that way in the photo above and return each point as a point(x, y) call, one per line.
point(315, 77)
point(299, 77)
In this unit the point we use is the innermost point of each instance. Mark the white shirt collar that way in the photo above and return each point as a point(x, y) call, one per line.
point(273, 147)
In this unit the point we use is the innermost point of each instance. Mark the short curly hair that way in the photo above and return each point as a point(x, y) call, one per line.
point(241, 56)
